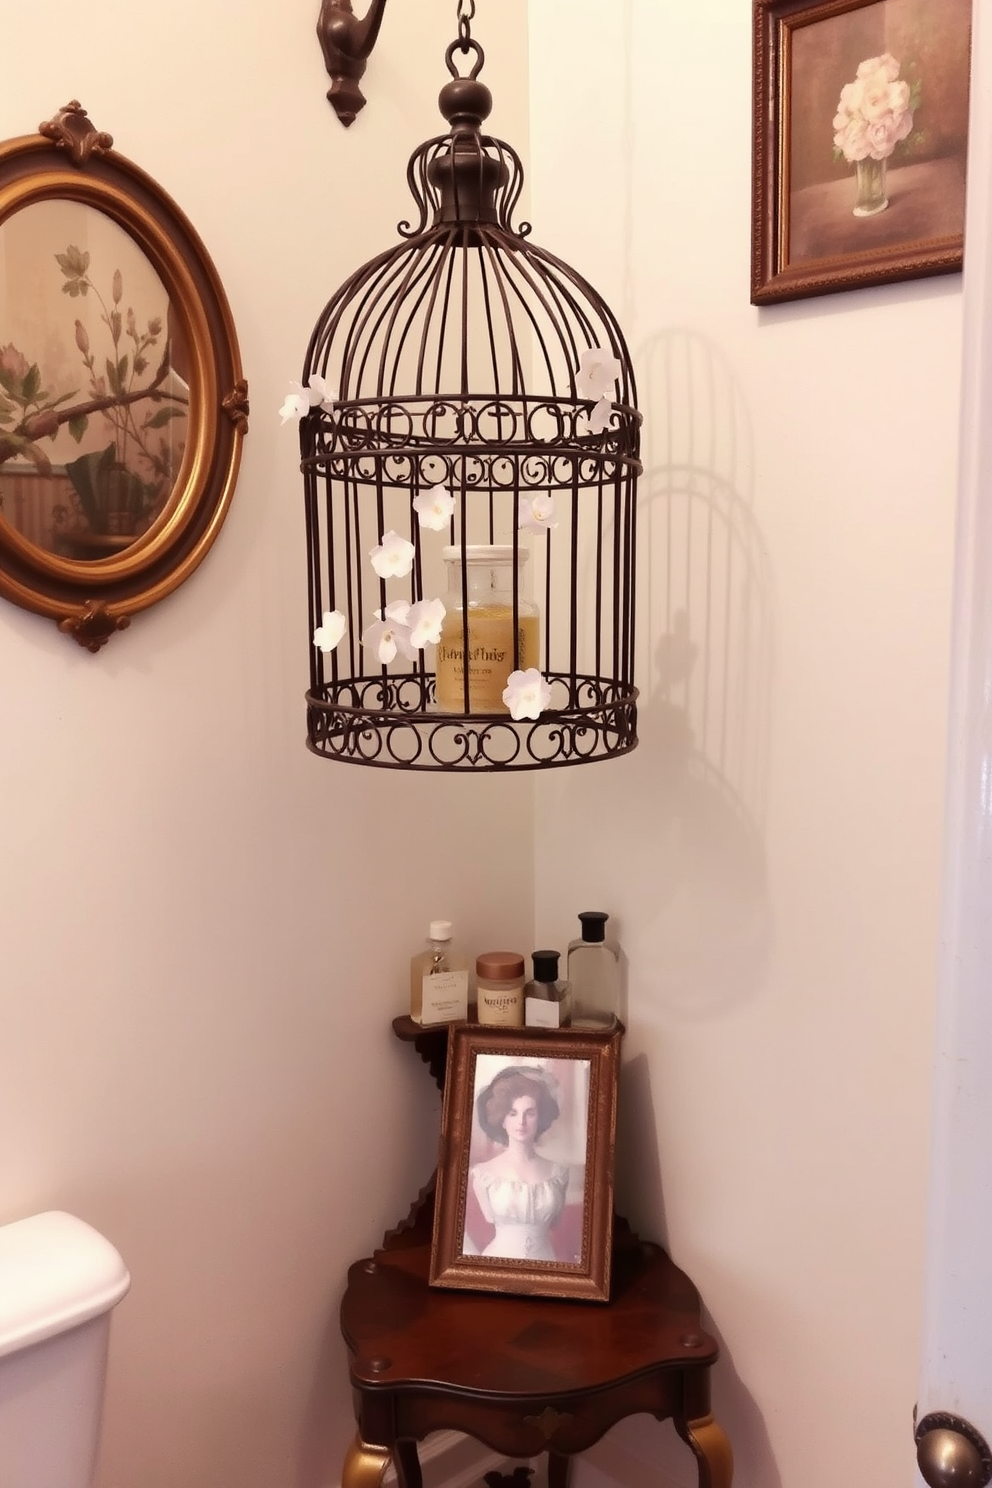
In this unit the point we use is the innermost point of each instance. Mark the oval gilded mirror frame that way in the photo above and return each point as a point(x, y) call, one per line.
point(92, 597)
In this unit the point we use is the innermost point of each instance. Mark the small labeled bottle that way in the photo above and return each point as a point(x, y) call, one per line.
point(499, 977)
point(438, 979)
point(484, 597)
point(594, 974)
point(547, 1001)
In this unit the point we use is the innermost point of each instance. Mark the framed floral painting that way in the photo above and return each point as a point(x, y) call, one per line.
point(860, 143)
point(525, 1179)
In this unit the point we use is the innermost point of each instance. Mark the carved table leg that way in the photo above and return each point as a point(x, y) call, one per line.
point(714, 1458)
point(559, 1470)
point(407, 1458)
point(364, 1465)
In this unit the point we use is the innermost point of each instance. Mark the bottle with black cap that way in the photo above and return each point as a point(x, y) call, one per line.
point(594, 974)
point(547, 1001)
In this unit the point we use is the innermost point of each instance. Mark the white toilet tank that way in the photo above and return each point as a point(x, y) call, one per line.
point(59, 1279)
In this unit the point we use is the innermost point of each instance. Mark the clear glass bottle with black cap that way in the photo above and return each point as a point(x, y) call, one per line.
point(547, 1000)
point(594, 974)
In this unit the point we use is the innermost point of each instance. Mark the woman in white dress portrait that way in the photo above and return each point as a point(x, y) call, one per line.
point(520, 1193)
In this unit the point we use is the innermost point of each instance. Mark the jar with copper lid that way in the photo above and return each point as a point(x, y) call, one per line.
point(500, 986)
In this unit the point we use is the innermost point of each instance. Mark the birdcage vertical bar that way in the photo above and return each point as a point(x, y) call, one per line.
point(313, 570)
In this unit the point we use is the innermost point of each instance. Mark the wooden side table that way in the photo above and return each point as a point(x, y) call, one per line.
point(522, 1375)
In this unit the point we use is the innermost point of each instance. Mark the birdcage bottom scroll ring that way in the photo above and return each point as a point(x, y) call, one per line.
point(390, 723)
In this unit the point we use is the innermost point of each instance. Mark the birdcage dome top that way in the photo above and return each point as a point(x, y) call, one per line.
point(466, 331)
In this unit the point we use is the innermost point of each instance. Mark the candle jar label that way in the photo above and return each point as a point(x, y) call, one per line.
point(490, 657)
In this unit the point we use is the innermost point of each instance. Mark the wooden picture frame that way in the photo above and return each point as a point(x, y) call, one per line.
point(834, 79)
point(521, 1102)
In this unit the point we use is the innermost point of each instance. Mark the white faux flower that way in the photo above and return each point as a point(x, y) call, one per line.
point(297, 403)
point(434, 507)
point(598, 420)
point(393, 559)
point(424, 621)
point(322, 395)
point(390, 633)
point(526, 694)
point(597, 374)
point(299, 400)
point(327, 635)
point(537, 514)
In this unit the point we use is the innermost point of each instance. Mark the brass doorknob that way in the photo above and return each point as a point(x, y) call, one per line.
point(951, 1453)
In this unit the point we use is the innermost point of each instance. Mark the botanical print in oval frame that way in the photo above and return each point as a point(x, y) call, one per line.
point(122, 403)
point(90, 350)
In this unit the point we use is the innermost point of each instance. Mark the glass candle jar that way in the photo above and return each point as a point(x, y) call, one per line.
point(485, 629)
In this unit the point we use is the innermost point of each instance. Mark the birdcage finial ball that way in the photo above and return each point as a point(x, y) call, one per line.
point(464, 102)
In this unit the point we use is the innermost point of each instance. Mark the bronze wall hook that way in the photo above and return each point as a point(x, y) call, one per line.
point(347, 43)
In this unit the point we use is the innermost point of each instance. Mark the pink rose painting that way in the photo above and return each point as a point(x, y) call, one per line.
point(861, 136)
point(874, 114)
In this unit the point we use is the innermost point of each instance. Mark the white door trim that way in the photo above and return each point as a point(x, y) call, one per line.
point(956, 1364)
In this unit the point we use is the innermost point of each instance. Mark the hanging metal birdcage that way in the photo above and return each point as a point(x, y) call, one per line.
point(470, 451)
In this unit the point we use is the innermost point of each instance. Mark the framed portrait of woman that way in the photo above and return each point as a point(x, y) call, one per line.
point(525, 1175)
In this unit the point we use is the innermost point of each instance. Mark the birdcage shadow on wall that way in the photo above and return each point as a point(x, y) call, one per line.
point(469, 441)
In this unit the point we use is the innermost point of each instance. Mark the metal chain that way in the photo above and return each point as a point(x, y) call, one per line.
point(466, 15)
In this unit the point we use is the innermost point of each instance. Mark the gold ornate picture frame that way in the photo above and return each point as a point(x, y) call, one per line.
point(524, 1198)
point(860, 137)
point(122, 400)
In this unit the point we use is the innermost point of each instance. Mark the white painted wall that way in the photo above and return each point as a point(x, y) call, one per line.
point(204, 929)
point(772, 851)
